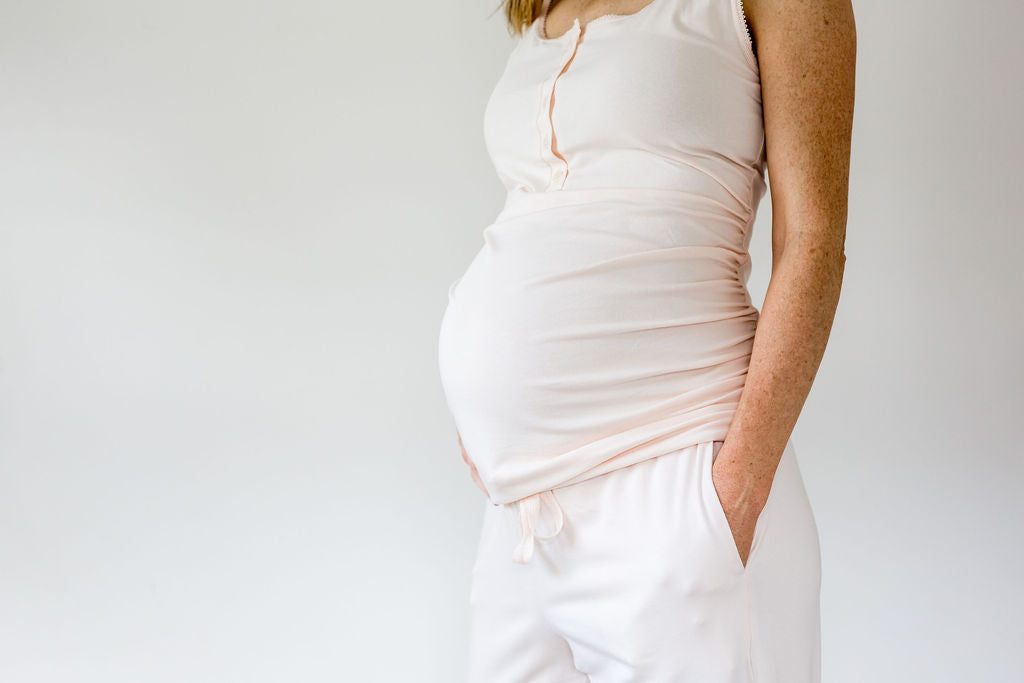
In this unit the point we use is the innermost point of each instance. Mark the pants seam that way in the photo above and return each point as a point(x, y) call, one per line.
point(749, 600)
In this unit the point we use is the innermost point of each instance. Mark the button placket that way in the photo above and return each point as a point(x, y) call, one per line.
point(557, 164)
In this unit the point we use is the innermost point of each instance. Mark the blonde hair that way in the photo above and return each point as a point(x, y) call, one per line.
point(519, 14)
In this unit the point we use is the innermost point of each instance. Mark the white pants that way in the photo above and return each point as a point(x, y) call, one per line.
point(643, 582)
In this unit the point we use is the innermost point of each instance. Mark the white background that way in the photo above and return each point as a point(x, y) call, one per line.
point(226, 233)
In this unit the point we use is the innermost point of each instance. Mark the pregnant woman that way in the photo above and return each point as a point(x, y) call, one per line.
point(624, 407)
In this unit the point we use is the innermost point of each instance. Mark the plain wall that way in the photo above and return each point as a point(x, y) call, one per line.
point(226, 233)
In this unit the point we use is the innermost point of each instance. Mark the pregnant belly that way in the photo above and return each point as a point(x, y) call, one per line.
point(560, 334)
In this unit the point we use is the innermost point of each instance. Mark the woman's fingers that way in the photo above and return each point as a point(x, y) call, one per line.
point(472, 467)
point(741, 515)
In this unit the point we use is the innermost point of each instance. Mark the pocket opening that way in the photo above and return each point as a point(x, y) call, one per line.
point(726, 529)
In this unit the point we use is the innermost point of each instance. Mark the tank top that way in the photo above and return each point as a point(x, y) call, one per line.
point(606, 318)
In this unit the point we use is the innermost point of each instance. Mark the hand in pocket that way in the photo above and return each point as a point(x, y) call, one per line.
point(472, 467)
point(742, 497)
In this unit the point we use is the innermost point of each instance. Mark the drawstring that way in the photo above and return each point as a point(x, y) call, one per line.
point(529, 508)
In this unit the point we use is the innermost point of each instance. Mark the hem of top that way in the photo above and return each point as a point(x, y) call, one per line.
point(654, 449)
point(703, 443)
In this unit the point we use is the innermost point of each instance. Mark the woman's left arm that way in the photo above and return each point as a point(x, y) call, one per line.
point(806, 52)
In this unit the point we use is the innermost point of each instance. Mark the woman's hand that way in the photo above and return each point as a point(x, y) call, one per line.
point(472, 467)
point(743, 496)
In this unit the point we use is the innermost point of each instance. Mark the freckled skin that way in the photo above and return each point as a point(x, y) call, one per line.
point(806, 52)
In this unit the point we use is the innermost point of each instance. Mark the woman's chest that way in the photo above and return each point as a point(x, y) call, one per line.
point(657, 90)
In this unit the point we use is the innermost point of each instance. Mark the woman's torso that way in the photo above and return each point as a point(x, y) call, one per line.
point(606, 318)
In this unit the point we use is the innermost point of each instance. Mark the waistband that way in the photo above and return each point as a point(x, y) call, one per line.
point(529, 510)
point(519, 202)
point(530, 507)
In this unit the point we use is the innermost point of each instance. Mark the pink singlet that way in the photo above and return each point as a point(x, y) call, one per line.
point(606, 318)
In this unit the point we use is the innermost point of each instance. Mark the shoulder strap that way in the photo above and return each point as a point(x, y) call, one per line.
point(543, 19)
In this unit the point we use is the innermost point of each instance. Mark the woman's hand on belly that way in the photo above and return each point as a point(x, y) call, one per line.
point(472, 467)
